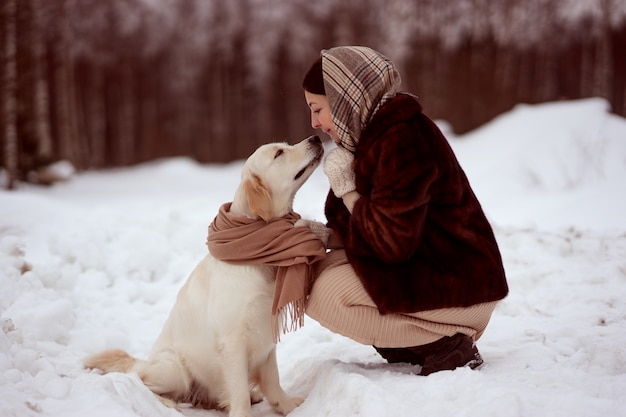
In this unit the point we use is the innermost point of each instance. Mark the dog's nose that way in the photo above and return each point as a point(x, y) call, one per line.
point(314, 139)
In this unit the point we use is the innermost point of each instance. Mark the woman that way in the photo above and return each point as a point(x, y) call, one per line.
point(417, 271)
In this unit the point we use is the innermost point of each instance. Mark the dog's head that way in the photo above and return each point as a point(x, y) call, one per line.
point(272, 175)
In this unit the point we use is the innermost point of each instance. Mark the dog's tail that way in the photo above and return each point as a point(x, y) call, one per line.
point(112, 360)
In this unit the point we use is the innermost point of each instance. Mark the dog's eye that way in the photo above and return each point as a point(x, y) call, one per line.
point(278, 153)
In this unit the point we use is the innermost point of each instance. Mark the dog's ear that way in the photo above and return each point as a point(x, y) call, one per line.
point(259, 197)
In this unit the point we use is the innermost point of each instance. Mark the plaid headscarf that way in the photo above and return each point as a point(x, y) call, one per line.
point(358, 81)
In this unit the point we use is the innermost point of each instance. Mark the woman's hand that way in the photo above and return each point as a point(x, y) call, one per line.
point(338, 169)
point(319, 229)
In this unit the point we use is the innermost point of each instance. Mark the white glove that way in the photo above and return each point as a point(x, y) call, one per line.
point(338, 169)
point(319, 229)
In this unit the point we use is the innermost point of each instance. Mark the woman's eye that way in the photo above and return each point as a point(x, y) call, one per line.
point(278, 153)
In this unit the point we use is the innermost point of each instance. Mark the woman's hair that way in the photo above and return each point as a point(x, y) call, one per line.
point(314, 80)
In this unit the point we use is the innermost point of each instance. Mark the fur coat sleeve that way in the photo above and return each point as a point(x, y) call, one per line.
point(417, 238)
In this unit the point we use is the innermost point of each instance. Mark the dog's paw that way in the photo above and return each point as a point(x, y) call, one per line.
point(288, 405)
point(256, 396)
point(319, 229)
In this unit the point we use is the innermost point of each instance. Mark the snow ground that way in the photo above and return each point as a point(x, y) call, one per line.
point(96, 263)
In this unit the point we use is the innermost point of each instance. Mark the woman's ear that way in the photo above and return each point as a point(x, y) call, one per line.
point(258, 196)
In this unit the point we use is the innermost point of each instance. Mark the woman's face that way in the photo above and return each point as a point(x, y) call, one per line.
point(320, 114)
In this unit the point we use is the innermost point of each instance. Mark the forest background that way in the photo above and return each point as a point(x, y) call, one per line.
point(114, 83)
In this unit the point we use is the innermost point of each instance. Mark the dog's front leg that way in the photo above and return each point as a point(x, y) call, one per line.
point(234, 366)
point(269, 384)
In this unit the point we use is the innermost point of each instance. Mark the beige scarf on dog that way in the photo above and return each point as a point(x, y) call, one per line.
point(241, 240)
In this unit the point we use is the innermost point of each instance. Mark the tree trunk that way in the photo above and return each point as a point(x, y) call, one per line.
point(65, 100)
point(41, 113)
point(604, 63)
point(126, 117)
point(9, 97)
point(95, 121)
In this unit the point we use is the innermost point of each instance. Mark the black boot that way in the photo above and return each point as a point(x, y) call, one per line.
point(400, 355)
point(445, 354)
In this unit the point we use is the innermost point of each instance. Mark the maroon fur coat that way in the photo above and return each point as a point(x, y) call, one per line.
point(417, 238)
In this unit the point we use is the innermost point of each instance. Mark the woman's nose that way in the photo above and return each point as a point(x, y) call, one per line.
point(315, 124)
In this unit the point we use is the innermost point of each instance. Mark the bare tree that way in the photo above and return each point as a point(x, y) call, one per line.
point(9, 95)
point(41, 100)
point(64, 99)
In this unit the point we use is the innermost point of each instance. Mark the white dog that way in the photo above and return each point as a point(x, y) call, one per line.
point(217, 348)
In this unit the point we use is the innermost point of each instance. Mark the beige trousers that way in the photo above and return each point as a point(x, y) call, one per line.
point(339, 302)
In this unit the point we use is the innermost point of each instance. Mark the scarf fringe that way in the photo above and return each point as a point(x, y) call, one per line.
point(289, 318)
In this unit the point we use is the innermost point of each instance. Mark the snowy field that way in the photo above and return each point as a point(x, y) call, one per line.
point(96, 263)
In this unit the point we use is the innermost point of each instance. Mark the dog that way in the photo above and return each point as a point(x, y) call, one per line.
point(216, 349)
